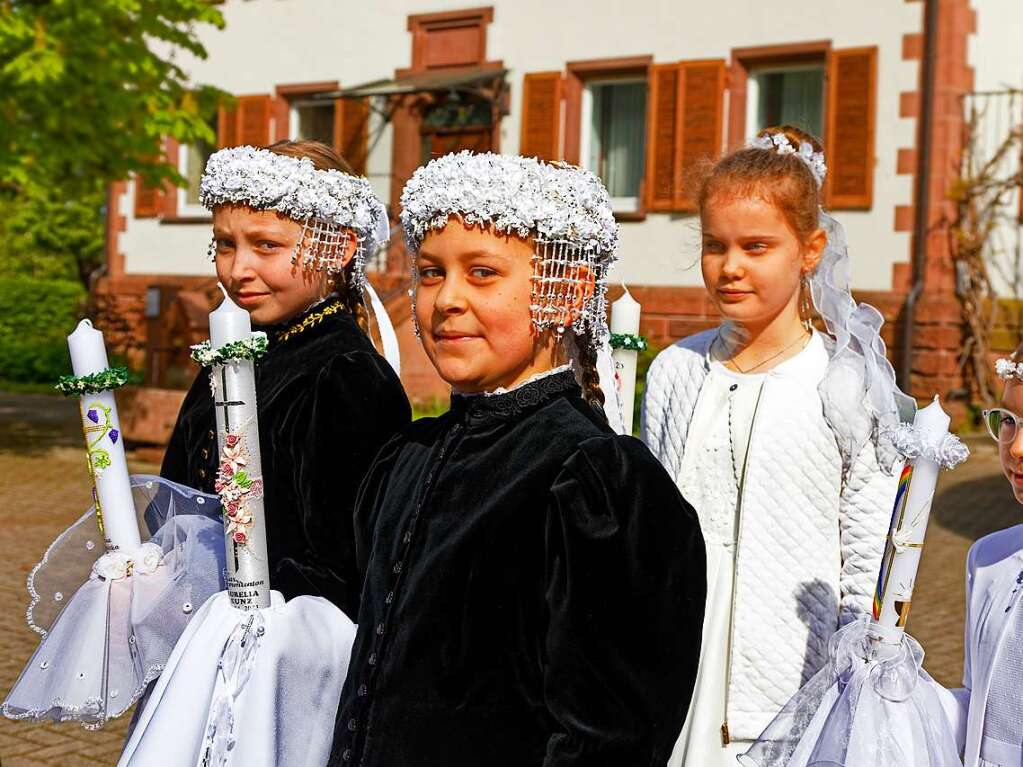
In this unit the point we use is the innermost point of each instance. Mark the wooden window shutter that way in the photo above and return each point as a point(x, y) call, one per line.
point(227, 127)
point(254, 114)
point(685, 122)
point(541, 116)
point(703, 91)
point(852, 87)
point(663, 175)
point(351, 131)
point(148, 199)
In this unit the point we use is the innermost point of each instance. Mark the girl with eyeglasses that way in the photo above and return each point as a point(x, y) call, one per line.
point(990, 715)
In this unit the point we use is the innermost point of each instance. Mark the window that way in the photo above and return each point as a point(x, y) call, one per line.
point(191, 164)
point(613, 137)
point(792, 95)
point(313, 120)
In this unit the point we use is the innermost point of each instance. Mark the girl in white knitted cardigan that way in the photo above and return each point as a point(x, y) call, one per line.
point(770, 429)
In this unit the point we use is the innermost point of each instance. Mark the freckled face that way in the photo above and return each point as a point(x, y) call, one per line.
point(254, 250)
point(752, 260)
point(472, 305)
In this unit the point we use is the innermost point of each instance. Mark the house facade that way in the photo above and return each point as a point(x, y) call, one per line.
point(638, 92)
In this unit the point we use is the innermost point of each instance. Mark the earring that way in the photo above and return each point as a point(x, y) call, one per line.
point(805, 304)
point(211, 250)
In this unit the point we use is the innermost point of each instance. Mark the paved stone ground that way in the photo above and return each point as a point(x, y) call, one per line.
point(44, 487)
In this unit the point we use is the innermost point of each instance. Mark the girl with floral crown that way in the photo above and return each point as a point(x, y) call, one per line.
point(535, 582)
point(989, 718)
point(774, 431)
point(293, 227)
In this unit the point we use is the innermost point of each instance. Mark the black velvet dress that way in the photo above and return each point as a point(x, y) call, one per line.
point(534, 593)
point(327, 402)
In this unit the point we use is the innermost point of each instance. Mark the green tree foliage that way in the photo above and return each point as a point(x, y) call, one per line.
point(88, 90)
point(35, 317)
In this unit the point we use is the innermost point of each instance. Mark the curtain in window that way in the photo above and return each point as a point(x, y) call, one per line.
point(793, 97)
point(618, 135)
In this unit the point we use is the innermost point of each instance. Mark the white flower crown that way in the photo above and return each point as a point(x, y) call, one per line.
point(779, 143)
point(1008, 369)
point(519, 195)
point(264, 180)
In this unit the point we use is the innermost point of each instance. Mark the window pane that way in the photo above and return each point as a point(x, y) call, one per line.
point(793, 97)
point(315, 123)
point(617, 136)
point(195, 164)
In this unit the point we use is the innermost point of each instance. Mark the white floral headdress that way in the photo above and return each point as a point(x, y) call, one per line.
point(330, 204)
point(1008, 369)
point(565, 209)
point(779, 143)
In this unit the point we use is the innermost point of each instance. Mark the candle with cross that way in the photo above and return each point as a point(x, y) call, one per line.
point(239, 478)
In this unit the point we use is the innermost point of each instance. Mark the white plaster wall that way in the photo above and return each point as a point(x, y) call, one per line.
point(996, 54)
point(270, 42)
point(996, 51)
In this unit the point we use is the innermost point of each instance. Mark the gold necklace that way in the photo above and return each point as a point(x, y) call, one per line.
point(731, 358)
point(309, 320)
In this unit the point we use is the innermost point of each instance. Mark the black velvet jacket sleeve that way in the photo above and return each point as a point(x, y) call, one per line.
point(533, 593)
point(625, 589)
point(332, 429)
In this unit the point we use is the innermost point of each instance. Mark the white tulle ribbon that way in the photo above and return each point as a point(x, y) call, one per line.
point(872, 704)
point(946, 450)
point(120, 564)
point(862, 402)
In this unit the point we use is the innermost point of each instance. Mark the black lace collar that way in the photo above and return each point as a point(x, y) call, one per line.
point(518, 401)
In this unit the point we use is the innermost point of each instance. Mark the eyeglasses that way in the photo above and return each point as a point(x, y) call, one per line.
point(1002, 424)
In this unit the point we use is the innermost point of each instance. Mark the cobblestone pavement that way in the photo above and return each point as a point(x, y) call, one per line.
point(44, 487)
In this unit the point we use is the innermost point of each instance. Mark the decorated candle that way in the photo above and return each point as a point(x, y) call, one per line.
point(115, 507)
point(626, 343)
point(928, 447)
point(240, 477)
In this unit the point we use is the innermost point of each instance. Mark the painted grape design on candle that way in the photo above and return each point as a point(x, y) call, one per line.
point(108, 466)
point(98, 457)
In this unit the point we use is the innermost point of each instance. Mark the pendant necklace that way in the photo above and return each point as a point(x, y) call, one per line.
point(731, 358)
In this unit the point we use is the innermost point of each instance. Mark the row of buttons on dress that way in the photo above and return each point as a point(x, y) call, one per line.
point(396, 571)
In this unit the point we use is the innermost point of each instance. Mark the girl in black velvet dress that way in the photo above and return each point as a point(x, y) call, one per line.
point(327, 401)
point(534, 582)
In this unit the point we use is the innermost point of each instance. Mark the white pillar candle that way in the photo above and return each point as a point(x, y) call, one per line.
point(115, 506)
point(908, 527)
point(625, 313)
point(234, 386)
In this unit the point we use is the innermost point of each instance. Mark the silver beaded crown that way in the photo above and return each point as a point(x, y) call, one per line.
point(566, 210)
point(332, 206)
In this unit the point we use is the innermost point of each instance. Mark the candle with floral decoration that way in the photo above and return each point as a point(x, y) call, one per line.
point(928, 447)
point(626, 344)
point(239, 477)
point(94, 380)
